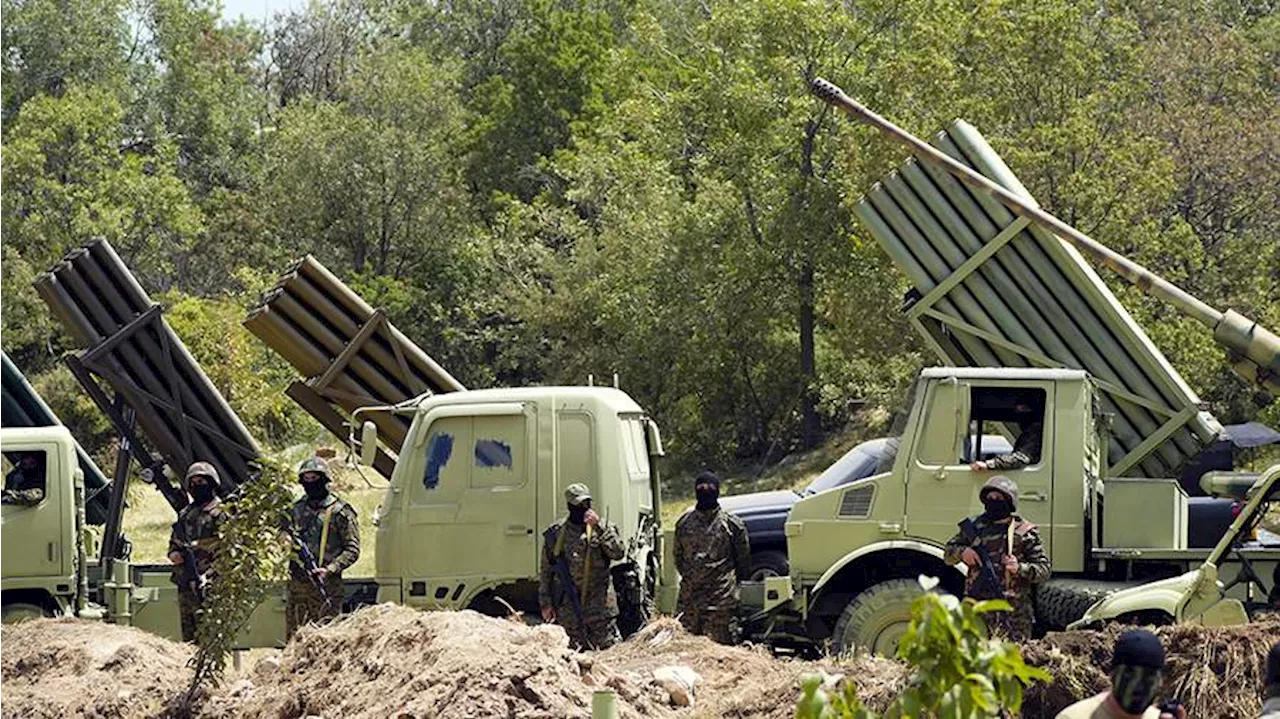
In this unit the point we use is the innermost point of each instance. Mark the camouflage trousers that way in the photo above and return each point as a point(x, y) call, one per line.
point(304, 604)
point(1014, 626)
point(595, 631)
point(719, 624)
point(188, 606)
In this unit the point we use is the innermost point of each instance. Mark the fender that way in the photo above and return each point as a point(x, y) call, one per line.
point(915, 545)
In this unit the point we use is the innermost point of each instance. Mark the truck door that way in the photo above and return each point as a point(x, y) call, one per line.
point(33, 535)
point(942, 489)
point(471, 516)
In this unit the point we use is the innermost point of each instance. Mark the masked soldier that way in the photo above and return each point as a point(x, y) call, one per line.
point(193, 542)
point(1005, 558)
point(326, 526)
point(25, 483)
point(575, 587)
point(712, 556)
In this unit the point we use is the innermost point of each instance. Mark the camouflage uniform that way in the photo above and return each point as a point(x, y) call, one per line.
point(24, 487)
point(712, 556)
point(197, 528)
point(588, 560)
point(1026, 450)
point(304, 602)
point(1019, 588)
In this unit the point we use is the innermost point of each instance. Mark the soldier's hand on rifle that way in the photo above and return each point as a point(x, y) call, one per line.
point(591, 518)
point(548, 614)
point(320, 573)
point(1011, 564)
point(970, 557)
point(175, 557)
point(979, 466)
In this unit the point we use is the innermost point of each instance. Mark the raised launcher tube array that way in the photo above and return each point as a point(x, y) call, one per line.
point(23, 407)
point(157, 384)
point(1000, 286)
point(351, 355)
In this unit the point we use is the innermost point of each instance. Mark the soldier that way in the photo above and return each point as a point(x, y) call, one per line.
point(1137, 670)
point(1005, 558)
point(327, 527)
point(25, 483)
point(193, 541)
point(1026, 448)
point(575, 587)
point(712, 556)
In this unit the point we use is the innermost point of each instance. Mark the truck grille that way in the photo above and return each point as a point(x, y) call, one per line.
point(856, 502)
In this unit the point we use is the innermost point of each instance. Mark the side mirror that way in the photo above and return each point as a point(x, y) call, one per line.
point(368, 443)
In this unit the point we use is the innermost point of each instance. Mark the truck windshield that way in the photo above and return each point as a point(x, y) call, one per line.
point(859, 462)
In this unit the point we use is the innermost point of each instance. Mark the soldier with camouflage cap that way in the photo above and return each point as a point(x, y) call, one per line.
point(1016, 556)
point(575, 586)
point(195, 537)
point(328, 527)
point(712, 554)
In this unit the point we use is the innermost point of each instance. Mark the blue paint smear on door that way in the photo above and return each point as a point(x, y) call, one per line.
point(439, 449)
point(493, 453)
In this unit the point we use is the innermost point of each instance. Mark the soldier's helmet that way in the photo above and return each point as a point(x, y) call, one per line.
point(576, 494)
point(315, 464)
point(203, 469)
point(1005, 486)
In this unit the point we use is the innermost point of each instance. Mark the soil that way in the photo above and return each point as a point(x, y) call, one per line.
point(390, 661)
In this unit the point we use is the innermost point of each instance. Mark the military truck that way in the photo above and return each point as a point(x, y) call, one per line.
point(1003, 295)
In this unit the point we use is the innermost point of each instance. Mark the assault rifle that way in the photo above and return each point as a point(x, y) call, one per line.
point(307, 560)
point(988, 584)
point(562, 571)
point(189, 575)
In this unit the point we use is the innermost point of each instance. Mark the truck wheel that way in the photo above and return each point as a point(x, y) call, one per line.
point(1059, 602)
point(21, 612)
point(876, 618)
point(770, 563)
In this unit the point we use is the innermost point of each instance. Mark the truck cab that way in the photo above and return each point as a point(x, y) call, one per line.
point(39, 540)
point(481, 475)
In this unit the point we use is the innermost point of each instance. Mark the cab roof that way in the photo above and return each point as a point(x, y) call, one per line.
point(1016, 373)
point(605, 398)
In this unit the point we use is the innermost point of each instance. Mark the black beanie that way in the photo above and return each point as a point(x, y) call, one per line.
point(707, 478)
point(1273, 665)
point(1138, 648)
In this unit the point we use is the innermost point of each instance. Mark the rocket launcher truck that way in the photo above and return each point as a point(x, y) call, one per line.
point(1005, 300)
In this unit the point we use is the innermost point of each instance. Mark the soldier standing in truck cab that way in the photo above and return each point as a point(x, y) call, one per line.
point(575, 587)
point(193, 543)
point(1026, 448)
point(1004, 556)
point(25, 483)
point(328, 528)
point(712, 555)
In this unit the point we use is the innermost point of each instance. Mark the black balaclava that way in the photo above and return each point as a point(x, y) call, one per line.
point(707, 498)
point(996, 509)
point(317, 489)
point(1136, 670)
point(578, 512)
point(202, 493)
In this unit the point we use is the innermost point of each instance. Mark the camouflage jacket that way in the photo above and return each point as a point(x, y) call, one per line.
point(1033, 563)
point(341, 545)
point(712, 555)
point(588, 560)
point(21, 489)
point(198, 529)
point(1026, 450)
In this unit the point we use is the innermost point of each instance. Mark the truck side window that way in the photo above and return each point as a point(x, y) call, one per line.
point(499, 451)
point(24, 477)
point(1020, 411)
point(439, 449)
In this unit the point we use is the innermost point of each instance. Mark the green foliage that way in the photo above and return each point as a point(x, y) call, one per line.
point(957, 670)
point(250, 561)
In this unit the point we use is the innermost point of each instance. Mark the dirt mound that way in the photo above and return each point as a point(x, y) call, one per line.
point(392, 661)
point(1215, 673)
point(69, 667)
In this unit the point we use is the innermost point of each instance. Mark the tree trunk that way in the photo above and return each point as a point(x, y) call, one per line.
point(810, 427)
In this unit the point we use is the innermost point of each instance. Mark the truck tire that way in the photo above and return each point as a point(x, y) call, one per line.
point(1059, 602)
point(14, 612)
point(769, 563)
point(876, 618)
